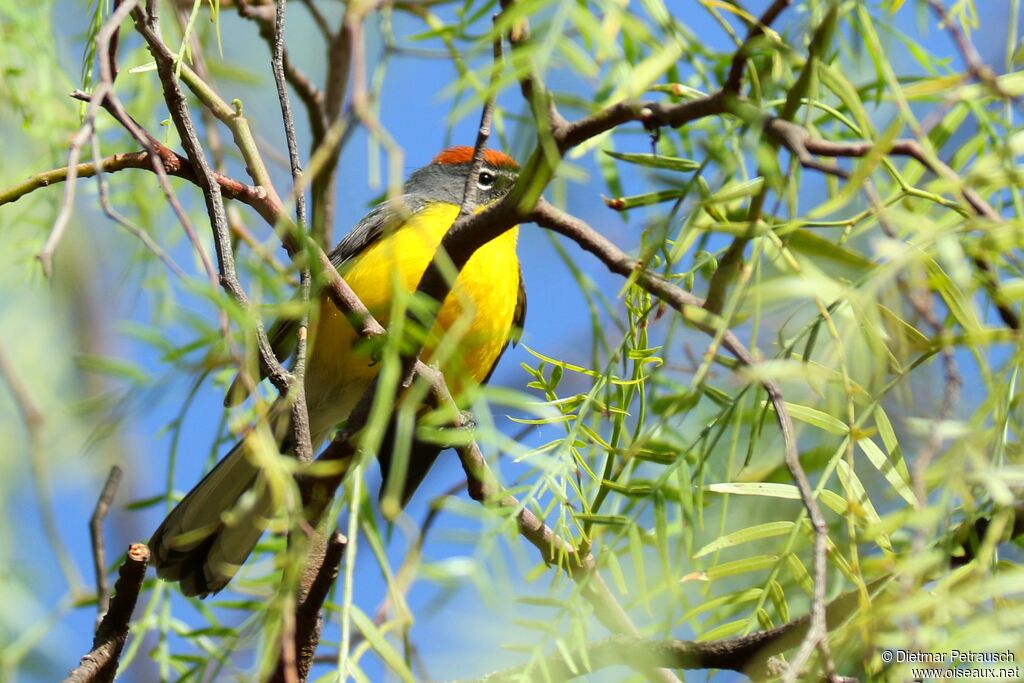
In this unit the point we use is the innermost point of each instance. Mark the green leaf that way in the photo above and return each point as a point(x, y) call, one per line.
point(636, 552)
point(747, 564)
point(632, 202)
point(112, 367)
point(143, 503)
point(612, 520)
point(566, 656)
point(830, 499)
point(888, 470)
point(736, 190)
point(913, 336)
point(724, 631)
point(818, 249)
point(648, 71)
point(753, 533)
point(391, 658)
point(777, 594)
point(788, 491)
point(835, 80)
point(799, 573)
point(887, 433)
point(655, 161)
point(736, 598)
point(833, 501)
point(618, 576)
point(855, 492)
point(635, 489)
point(955, 299)
point(815, 418)
point(554, 419)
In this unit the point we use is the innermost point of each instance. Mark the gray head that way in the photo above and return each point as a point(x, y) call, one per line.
point(444, 179)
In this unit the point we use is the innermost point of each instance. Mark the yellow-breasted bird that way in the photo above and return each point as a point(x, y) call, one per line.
point(208, 536)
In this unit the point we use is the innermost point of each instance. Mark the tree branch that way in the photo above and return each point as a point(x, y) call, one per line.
point(100, 664)
point(685, 302)
point(173, 164)
point(312, 98)
point(308, 619)
point(99, 555)
point(148, 25)
point(739, 59)
point(749, 655)
point(802, 145)
point(976, 67)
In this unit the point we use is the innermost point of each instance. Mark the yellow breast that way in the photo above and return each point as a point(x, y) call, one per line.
point(472, 326)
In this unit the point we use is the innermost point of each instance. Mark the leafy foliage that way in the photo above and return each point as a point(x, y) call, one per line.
point(872, 295)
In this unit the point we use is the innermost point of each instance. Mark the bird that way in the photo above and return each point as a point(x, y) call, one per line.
point(208, 536)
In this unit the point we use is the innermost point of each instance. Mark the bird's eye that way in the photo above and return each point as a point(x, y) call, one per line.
point(485, 180)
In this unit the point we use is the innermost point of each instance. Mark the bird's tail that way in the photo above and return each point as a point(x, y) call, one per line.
point(208, 536)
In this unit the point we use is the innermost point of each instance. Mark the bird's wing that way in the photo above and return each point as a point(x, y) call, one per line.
point(384, 217)
point(519, 317)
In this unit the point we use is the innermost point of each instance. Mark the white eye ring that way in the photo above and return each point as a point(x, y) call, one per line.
point(485, 180)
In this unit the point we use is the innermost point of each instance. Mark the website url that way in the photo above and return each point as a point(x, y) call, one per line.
point(1009, 672)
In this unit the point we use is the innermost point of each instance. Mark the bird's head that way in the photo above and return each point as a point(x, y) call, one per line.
point(444, 179)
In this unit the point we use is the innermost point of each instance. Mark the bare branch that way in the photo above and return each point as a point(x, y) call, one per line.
point(300, 415)
point(590, 240)
point(99, 554)
point(308, 619)
point(739, 60)
point(148, 26)
point(88, 127)
point(100, 664)
point(976, 67)
point(483, 132)
point(312, 98)
point(802, 145)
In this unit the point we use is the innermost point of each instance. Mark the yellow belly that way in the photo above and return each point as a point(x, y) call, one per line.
point(472, 326)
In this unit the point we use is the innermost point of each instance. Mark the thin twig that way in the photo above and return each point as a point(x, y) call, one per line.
point(99, 554)
point(319, 19)
point(339, 63)
point(148, 25)
point(976, 66)
point(482, 133)
point(287, 665)
point(60, 224)
point(590, 240)
point(750, 655)
point(117, 217)
point(100, 664)
point(312, 98)
point(803, 146)
point(300, 416)
point(739, 59)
